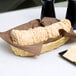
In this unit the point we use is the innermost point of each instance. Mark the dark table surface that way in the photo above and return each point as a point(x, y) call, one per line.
point(8, 5)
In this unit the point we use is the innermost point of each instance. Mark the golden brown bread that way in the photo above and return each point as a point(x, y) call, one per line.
point(40, 34)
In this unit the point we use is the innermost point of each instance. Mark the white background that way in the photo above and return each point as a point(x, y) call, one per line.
point(48, 64)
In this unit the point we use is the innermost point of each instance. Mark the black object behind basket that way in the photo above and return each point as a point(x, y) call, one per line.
point(47, 8)
point(71, 12)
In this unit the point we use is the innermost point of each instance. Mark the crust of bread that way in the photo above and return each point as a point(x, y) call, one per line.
point(45, 47)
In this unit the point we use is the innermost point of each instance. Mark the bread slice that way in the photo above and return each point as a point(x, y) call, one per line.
point(71, 54)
